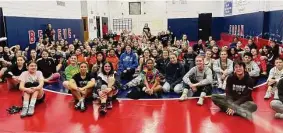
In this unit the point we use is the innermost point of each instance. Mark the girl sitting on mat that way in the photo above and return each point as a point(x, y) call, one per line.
point(32, 87)
point(81, 85)
point(106, 87)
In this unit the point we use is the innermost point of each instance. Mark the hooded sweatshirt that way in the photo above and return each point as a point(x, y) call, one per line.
point(238, 90)
point(275, 73)
point(174, 73)
point(253, 69)
point(127, 60)
point(204, 77)
point(217, 66)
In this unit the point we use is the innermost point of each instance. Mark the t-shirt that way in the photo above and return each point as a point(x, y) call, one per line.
point(28, 77)
point(82, 82)
point(70, 71)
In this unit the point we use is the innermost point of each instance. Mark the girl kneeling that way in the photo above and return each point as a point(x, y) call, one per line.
point(31, 84)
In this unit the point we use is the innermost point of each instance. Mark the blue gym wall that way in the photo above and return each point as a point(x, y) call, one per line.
point(263, 24)
point(18, 27)
point(189, 26)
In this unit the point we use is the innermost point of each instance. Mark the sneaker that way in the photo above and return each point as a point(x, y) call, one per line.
point(83, 107)
point(267, 95)
point(109, 105)
point(102, 110)
point(278, 116)
point(78, 105)
point(201, 98)
point(200, 101)
point(24, 112)
point(184, 95)
point(30, 111)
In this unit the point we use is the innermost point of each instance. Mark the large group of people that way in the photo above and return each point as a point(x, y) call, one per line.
point(149, 66)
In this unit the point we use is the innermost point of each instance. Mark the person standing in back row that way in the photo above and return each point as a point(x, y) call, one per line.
point(238, 99)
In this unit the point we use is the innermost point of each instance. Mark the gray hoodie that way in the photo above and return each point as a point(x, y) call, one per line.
point(217, 66)
point(253, 69)
point(204, 77)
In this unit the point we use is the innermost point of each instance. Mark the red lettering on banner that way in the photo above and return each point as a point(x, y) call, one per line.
point(65, 33)
point(39, 34)
point(69, 33)
point(31, 34)
point(59, 34)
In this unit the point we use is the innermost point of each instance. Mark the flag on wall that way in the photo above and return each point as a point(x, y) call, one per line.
point(228, 5)
point(232, 30)
point(242, 30)
point(236, 31)
point(239, 30)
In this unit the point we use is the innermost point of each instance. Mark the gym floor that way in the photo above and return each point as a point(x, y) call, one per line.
point(57, 115)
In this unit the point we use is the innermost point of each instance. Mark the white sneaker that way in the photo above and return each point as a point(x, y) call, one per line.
point(267, 95)
point(184, 95)
point(200, 101)
point(201, 98)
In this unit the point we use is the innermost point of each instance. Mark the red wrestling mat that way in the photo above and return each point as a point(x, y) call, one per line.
point(57, 115)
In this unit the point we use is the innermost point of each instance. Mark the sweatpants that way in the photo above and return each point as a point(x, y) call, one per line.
point(277, 106)
point(223, 104)
point(135, 82)
point(178, 88)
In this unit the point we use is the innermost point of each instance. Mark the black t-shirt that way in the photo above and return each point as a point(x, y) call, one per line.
point(82, 82)
point(15, 70)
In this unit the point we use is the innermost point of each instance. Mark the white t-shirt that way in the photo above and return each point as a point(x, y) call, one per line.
point(28, 77)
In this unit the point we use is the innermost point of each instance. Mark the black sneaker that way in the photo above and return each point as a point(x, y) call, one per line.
point(109, 105)
point(125, 87)
point(102, 110)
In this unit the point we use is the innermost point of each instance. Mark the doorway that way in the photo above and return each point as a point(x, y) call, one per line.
point(2, 27)
point(98, 26)
point(204, 26)
point(105, 26)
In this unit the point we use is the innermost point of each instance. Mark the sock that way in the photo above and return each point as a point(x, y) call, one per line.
point(32, 102)
point(25, 103)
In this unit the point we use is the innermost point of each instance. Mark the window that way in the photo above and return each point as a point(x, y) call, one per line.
point(60, 3)
point(135, 8)
point(122, 24)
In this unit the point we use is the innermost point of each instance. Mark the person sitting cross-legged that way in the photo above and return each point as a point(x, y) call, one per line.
point(275, 74)
point(198, 81)
point(32, 87)
point(238, 99)
point(106, 87)
point(81, 85)
point(277, 104)
point(147, 83)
